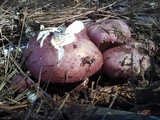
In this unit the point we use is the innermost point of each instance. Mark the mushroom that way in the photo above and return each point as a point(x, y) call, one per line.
point(62, 56)
point(125, 60)
point(109, 32)
point(21, 82)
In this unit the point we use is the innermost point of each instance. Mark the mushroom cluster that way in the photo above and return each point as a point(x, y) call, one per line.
point(123, 56)
point(79, 51)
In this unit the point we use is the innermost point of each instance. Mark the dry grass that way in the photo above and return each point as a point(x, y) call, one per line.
point(20, 19)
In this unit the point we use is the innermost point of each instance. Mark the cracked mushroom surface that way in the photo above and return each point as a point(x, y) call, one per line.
point(62, 57)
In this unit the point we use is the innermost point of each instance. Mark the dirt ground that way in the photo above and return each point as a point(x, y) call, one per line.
point(20, 19)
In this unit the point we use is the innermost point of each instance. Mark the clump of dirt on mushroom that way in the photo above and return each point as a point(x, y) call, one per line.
point(20, 20)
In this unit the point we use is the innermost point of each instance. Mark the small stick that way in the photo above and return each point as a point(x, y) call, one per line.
point(115, 96)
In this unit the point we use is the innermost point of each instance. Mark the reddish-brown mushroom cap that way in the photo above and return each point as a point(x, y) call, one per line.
point(21, 83)
point(63, 58)
point(124, 61)
point(109, 31)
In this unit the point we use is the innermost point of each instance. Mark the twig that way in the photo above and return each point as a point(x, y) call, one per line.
point(133, 83)
point(18, 67)
point(115, 96)
point(59, 109)
point(31, 109)
point(23, 24)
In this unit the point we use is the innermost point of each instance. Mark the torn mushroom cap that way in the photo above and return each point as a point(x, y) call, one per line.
point(64, 57)
point(60, 39)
